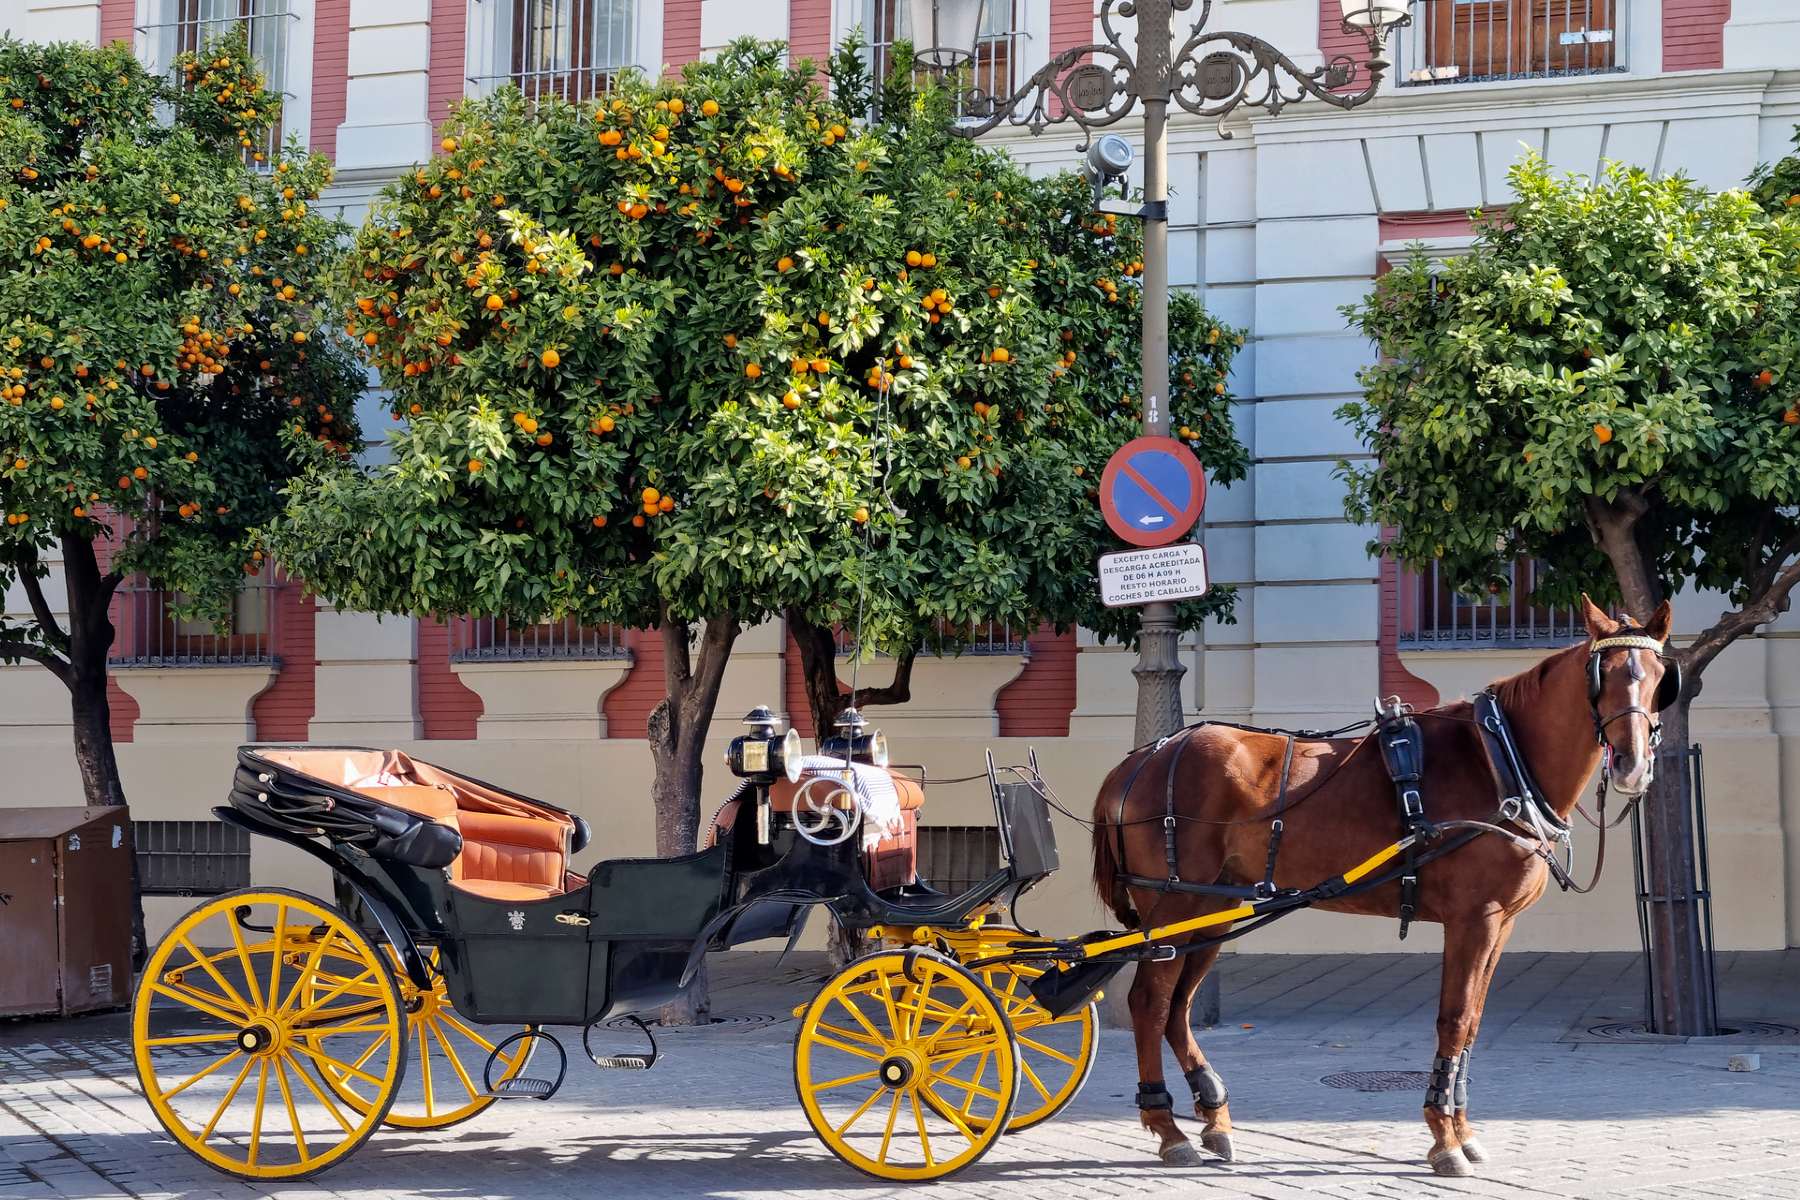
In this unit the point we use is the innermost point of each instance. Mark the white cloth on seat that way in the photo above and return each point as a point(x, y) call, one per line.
point(874, 791)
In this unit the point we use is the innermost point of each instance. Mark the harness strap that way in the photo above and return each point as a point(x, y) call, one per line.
point(1403, 753)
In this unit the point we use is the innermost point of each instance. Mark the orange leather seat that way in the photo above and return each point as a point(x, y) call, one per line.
point(910, 791)
point(510, 858)
point(433, 803)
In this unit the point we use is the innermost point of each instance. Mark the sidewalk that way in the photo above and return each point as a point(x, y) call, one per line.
point(1564, 1110)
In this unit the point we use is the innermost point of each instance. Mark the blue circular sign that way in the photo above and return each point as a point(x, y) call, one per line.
point(1152, 491)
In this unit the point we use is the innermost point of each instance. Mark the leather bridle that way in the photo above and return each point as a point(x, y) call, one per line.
point(1666, 693)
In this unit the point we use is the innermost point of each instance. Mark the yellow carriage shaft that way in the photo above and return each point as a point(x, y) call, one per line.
point(1225, 917)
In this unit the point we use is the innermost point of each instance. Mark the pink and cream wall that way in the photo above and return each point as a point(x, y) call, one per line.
point(1276, 227)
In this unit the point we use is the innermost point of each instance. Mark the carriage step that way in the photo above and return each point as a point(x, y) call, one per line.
point(523, 1089)
point(625, 1062)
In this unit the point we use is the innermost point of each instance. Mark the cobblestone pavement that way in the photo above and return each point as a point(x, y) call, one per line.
point(1564, 1112)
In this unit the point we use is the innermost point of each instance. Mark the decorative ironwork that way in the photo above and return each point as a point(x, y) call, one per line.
point(1213, 74)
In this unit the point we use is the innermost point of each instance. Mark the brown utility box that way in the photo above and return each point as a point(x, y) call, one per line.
point(65, 910)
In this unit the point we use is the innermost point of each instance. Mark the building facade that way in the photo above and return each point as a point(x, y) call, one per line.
point(1276, 225)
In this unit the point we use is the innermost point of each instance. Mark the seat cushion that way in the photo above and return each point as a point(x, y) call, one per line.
point(508, 849)
point(496, 889)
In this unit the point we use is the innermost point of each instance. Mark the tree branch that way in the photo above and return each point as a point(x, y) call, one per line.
point(42, 655)
point(897, 692)
point(1762, 607)
point(40, 607)
point(1613, 526)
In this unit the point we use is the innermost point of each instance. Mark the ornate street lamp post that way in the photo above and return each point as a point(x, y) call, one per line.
point(1211, 74)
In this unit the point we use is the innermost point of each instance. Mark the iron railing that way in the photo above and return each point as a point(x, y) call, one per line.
point(1464, 41)
point(954, 858)
point(1685, 871)
point(1435, 616)
point(181, 26)
point(980, 637)
point(567, 48)
point(495, 639)
point(996, 50)
point(191, 858)
point(148, 632)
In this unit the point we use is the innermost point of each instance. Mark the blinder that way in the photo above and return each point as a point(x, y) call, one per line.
point(1667, 691)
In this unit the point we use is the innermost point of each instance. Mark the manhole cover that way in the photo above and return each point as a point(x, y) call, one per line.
point(726, 1021)
point(1639, 1031)
point(1378, 1081)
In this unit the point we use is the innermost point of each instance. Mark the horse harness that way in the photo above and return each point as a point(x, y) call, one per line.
point(1401, 742)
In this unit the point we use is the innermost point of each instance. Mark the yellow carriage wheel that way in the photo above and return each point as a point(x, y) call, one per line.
point(1056, 1054)
point(449, 1052)
point(906, 1075)
point(232, 1038)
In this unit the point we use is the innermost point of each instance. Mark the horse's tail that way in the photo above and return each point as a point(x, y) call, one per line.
point(1113, 892)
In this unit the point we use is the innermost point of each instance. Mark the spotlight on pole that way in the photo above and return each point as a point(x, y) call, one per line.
point(1108, 158)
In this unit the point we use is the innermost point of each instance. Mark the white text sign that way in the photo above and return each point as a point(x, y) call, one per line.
point(1176, 572)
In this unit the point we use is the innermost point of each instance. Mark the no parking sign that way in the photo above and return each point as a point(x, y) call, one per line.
point(1152, 491)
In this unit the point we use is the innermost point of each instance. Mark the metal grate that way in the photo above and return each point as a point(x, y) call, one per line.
point(1464, 41)
point(148, 633)
point(495, 639)
point(954, 858)
point(996, 50)
point(1435, 616)
point(1378, 1081)
point(181, 26)
point(572, 49)
point(980, 637)
point(191, 858)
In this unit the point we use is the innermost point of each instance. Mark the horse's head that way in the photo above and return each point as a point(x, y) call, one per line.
point(1630, 680)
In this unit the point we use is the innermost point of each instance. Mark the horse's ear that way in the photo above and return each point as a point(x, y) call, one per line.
point(1599, 625)
point(1660, 620)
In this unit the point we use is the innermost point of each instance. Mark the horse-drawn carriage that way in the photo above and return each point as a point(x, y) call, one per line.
point(275, 1031)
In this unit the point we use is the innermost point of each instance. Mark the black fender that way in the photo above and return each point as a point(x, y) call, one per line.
point(716, 926)
point(376, 896)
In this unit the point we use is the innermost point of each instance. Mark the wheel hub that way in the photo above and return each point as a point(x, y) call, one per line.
point(899, 1069)
point(257, 1039)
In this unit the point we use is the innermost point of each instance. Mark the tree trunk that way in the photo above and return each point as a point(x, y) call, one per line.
point(677, 731)
point(825, 694)
point(1681, 971)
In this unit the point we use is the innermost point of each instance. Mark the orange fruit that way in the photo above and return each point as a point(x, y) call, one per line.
point(1791, 417)
point(140, 473)
point(784, 263)
point(370, 338)
point(606, 424)
point(449, 145)
point(677, 105)
point(650, 495)
point(638, 520)
point(860, 516)
point(551, 359)
point(544, 439)
point(1603, 434)
point(753, 370)
point(495, 303)
point(905, 361)
point(1764, 378)
point(124, 481)
point(731, 341)
point(928, 259)
point(600, 521)
point(791, 400)
point(1002, 354)
point(666, 504)
point(963, 461)
point(914, 258)
point(709, 108)
point(474, 466)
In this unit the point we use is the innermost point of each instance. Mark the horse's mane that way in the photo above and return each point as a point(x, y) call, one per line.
point(1518, 693)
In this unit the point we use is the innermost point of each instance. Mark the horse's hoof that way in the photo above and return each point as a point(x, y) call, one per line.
point(1450, 1163)
point(1218, 1144)
point(1180, 1154)
point(1473, 1152)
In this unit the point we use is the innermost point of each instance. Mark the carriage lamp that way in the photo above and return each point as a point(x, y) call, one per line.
point(762, 754)
point(1379, 15)
point(943, 32)
point(853, 740)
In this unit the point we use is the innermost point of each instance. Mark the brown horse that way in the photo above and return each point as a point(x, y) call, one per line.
point(1340, 809)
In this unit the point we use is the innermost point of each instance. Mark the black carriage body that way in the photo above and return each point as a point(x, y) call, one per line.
point(626, 939)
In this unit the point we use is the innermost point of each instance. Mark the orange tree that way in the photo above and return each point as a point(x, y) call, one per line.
point(1609, 383)
point(711, 350)
point(157, 290)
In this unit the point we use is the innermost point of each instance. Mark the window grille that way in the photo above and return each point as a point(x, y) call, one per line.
point(954, 858)
point(1435, 616)
point(996, 50)
point(980, 637)
point(148, 633)
point(1464, 41)
point(495, 639)
point(191, 858)
point(180, 26)
point(567, 48)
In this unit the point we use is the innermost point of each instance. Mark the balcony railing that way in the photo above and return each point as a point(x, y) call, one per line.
point(180, 26)
point(571, 49)
point(1434, 616)
point(982, 637)
point(996, 50)
point(1466, 41)
point(149, 633)
point(494, 639)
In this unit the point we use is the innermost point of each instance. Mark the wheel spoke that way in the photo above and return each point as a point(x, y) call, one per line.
point(287, 1098)
point(262, 1092)
point(949, 1114)
point(850, 1035)
point(451, 1020)
point(838, 1083)
point(1058, 1055)
point(425, 1070)
point(980, 1070)
point(975, 1089)
point(230, 1095)
point(333, 994)
point(887, 1135)
point(949, 1025)
point(193, 1000)
point(307, 972)
point(924, 1138)
point(205, 963)
point(462, 1073)
point(364, 1026)
point(1032, 1076)
point(303, 1077)
point(276, 954)
point(326, 1060)
point(243, 953)
point(862, 1108)
point(191, 1080)
point(846, 1047)
point(855, 1010)
point(190, 1039)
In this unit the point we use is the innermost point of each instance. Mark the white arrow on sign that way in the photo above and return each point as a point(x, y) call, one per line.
point(1152, 519)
